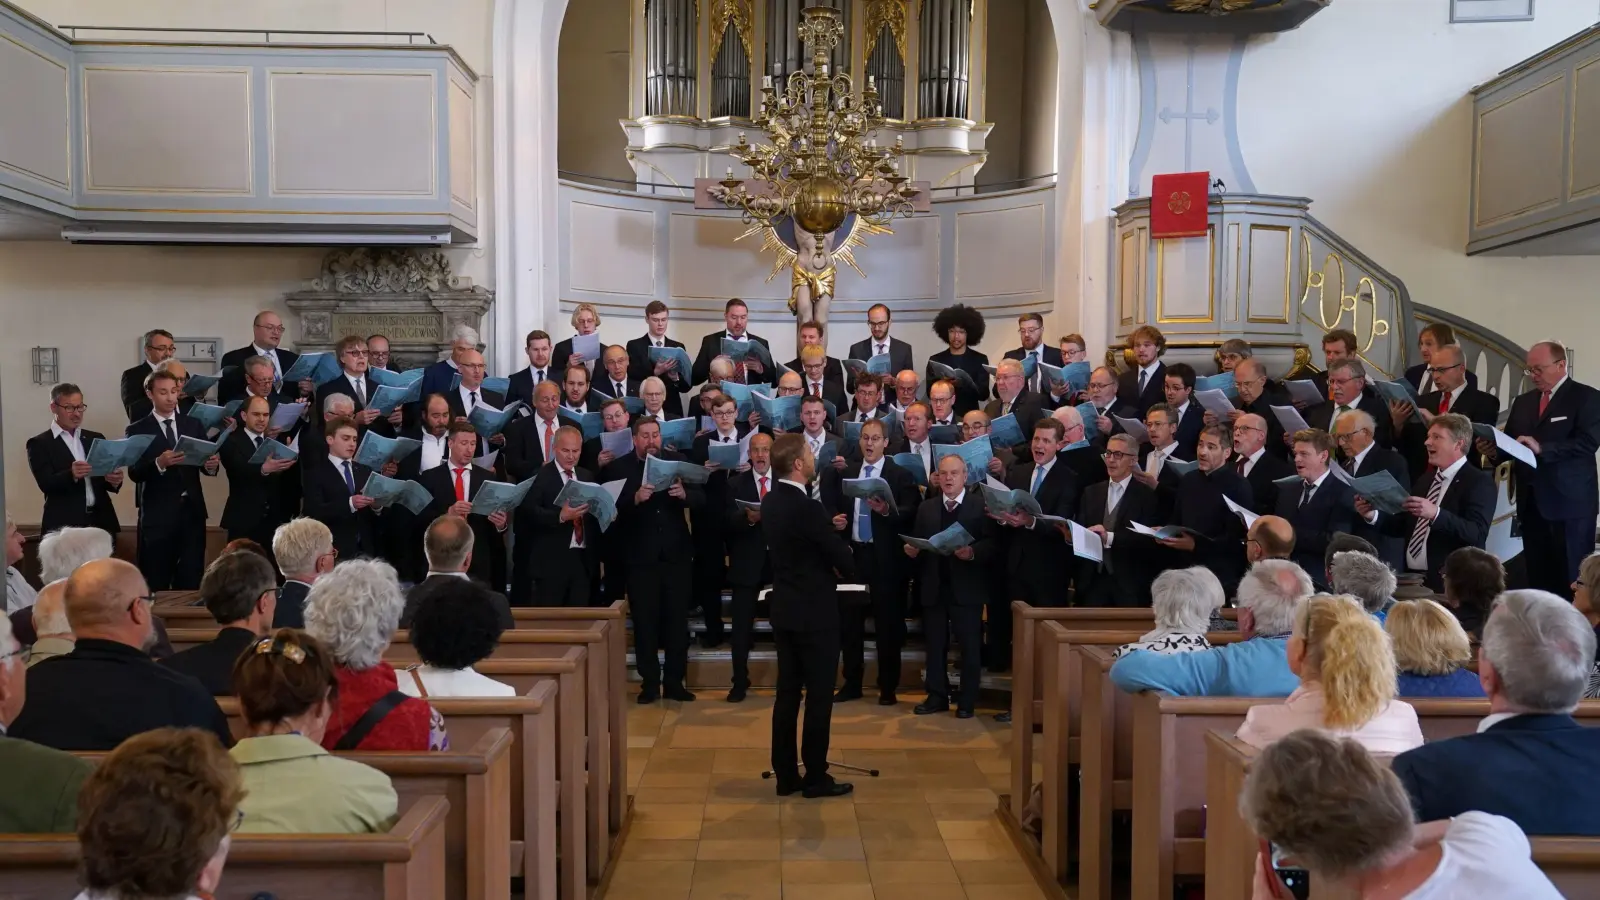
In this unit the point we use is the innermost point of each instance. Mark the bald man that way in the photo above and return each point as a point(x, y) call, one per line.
point(1269, 537)
point(470, 395)
point(267, 336)
point(50, 624)
point(108, 689)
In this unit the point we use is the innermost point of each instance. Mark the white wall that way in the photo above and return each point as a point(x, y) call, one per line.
point(1366, 110)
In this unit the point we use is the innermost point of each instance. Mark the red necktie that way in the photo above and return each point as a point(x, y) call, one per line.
point(461, 487)
point(1544, 403)
point(577, 524)
point(549, 435)
point(1444, 403)
point(761, 494)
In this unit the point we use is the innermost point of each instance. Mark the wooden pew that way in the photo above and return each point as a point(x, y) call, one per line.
point(1231, 846)
point(476, 781)
point(531, 720)
point(1027, 678)
point(406, 863)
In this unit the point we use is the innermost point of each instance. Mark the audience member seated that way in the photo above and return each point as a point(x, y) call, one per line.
point(1342, 815)
point(354, 610)
point(304, 549)
point(1584, 602)
point(38, 786)
point(1254, 667)
point(286, 685)
point(240, 590)
point(60, 552)
point(1472, 579)
point(1183, 600)
point(448, 546)
point(1530, 760)
point(1347, 682)
point(247, 545)
point(456, 625)
point(154, 818)
point(1342, 542)
point(1366, 578)
point(52, 633)
point(19, 593)
point(108, 688)
point(1431, 650)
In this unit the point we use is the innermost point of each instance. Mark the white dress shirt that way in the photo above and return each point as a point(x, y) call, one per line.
point(74, 442)
point(924, 449)
point(574, 543)
point(859, 505)
point(358, 388)
point(277, 365)
point(1455, 395)
point(1359, 458)
point(435, 450)
point(1315, 486)
point(1251, 460)
point(451, 683)
point(1148, 372)
point(161, 429)
point(619, 389)
point(469, 402)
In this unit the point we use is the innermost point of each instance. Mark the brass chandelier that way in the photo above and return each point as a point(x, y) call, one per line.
point(820, 165)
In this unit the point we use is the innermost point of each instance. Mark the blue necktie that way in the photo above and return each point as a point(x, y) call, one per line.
point(349, 478)
point(1038, 479)
point(865, 525)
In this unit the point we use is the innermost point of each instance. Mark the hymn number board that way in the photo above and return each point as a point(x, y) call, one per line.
point(200, 355)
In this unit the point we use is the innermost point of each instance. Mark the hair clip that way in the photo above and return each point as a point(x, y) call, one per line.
point(271, 646)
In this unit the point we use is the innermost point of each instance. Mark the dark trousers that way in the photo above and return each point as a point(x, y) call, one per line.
point(743, 614)
point(522, 568)
point(658, 596)
point(997, 629)
point(886, 601)
point(710, 565)
point(614, 585)
point(1553, 548)
point(174, 557)
point(938, 624)
point(807, 662)
point(563, 582)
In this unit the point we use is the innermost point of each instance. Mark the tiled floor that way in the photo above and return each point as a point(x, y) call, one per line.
point(706, 826)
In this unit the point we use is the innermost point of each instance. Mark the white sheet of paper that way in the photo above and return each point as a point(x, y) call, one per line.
point(1135, 428)
point(614, 488)
point(1505, 443)
point(744, 447)
point(1086, 543)
point(1142, 529)
point(285, 415)
point(587, 346)
point(995, 483)
point(1303, 390)
point(1290, 419)
point(1215, 402)
point(1245, 514)
point(487, 460)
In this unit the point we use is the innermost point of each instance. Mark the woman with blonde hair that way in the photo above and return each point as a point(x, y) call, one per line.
point(585, 321)
point(1347, 682)
point(1431, 650)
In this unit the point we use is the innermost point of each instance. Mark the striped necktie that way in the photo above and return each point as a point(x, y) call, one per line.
point(1418, 545)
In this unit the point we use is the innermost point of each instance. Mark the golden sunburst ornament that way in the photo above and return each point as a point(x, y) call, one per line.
point(1213, 7)
point(786, 256)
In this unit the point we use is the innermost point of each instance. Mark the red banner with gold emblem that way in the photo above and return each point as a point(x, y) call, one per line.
point(1178, 204)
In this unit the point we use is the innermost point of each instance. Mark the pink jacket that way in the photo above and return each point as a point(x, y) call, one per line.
point(1393, 730)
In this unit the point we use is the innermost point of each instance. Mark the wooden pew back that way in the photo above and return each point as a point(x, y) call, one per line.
point(405, 863)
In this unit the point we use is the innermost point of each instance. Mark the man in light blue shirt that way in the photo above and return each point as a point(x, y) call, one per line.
point(1257, 666)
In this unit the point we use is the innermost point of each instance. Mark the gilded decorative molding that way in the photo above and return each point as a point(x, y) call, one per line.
point(1211, 7)
point(737, 11)
point(891, 13)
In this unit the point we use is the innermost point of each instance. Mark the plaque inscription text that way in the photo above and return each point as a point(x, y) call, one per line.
point(397, 327)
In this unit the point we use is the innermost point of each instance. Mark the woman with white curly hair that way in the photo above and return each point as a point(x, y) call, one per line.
point(1183, 600)
point(354, 610)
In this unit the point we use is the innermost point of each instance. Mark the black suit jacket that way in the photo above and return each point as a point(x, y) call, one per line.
point(1481, 407)
point(166, 498)
point(655, 531)
point(711, 348)
point(327, 499)
point(1414, 375)
point(1565, 485)
point(1051, 355)
point(1321, 416)
point(1520, 768)
point(1189, 427)
point(1028, 408)
point(972, 362)
point(1465, 513)
point(1391, 547)
point(747, 544)
point(968, 581)
point(1134, 557)
point(1331, 510)
point(1199, 505)
point(900, 356)
point(809, 560)
point(833, 382)
point(341, 385)
point(520, 384)
point(1262, 476)
point(1274, 394)
point(1087, 462)
point(458, 410)
point(1034, 555)
point(543, 537)
point(255, 501)
point(887, 547)
point(134, 400)
point(640, 367)
point(1117, 408)
point(232, 385)
point(832, 369)
point(523, 452)
point(211, 663)
point(488, 542)
point(1155, 388)
point(427, 586)
point(65, 502)
point(291, 609)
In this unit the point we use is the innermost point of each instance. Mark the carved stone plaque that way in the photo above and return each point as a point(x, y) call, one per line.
point(398, 327)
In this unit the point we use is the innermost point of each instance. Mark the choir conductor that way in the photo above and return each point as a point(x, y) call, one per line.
point(809, 559)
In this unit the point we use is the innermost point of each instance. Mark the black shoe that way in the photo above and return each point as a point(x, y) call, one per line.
point(710, 641)
point(788, 788)
point(829, 788)
point(929, 707)
point(1003, 718)
point(887, 699)
point(736, 695)
point(647, 696)
point(963, 713)
point(846, 693)
point(679, 693)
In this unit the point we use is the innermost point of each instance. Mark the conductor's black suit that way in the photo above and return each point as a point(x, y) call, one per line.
point(808, 559)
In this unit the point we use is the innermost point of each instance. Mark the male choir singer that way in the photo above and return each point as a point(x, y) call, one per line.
point(809, 559)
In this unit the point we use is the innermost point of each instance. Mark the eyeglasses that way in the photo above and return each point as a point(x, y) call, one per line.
point(1100, 385)
point(148, 598)
point(1440, 369)
point(1341, 382)
point(1239, 428)
point(161, 348)
point(73, 408)
point(271, 329)
point(1344, 438)
point(358, 353)
point(876, 322)
point(238, 820)
point(1540, 369)
point(1110, 455)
